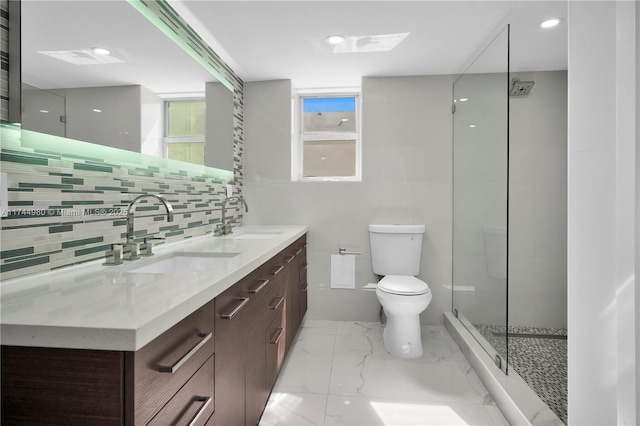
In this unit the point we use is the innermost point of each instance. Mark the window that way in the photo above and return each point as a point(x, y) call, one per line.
point(328, 143)
point(185, 127)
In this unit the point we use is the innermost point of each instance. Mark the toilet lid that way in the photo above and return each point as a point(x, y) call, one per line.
point(403, 284)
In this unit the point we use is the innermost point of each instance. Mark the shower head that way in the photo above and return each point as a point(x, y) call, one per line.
point(520, 88)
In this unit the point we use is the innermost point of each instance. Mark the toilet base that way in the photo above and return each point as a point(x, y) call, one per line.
point(402, 336)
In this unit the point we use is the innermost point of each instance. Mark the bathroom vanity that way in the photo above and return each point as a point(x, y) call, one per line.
point(193, 335)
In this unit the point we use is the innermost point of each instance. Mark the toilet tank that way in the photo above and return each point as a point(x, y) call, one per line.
point(396, 249)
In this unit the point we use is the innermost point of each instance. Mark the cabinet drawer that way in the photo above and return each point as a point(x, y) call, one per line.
point(274, 300)
point(194, 402)
point(257, 283)
point(164, 365)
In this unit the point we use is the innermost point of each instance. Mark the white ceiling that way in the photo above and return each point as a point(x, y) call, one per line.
point(263, 40)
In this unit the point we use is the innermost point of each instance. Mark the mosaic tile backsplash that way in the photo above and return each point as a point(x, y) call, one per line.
point(68, 200)
point(4, 60)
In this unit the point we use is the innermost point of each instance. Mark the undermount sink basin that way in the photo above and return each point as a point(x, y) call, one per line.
point(183, 263)
point(255, 235)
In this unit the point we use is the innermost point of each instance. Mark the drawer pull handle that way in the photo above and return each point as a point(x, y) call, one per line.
point(275, 305)
point(298, 251)
point(304, 245)
point(276, 336)
point(277, 270)
point(258, 286)
point(305, 266)
point(205, 404)
point(305, 287)
point(288, 259)
point(243, 301)
point(184, 358)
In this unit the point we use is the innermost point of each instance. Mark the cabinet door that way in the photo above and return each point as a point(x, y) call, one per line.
point(256, 392)
point(275, 346)
point(230, 332)
point(302, 279)
point(293, 303)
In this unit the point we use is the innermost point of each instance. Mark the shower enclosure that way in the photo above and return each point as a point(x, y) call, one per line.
point(509, 217)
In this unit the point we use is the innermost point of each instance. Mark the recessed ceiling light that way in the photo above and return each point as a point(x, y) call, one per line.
point(335, 39)
point(550, 23)
point(44, 111)
point(96, 110)
point(464, 99)
point(472, 125)
point(100, 51)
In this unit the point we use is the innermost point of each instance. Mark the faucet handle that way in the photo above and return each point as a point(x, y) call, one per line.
point(219, 230)
point(113, 256)
point(131, 251)
point(146, 248)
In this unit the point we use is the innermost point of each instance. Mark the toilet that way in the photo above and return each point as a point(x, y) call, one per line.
point(395, 254)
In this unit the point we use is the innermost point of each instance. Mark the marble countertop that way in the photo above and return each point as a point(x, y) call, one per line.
point(92, 306)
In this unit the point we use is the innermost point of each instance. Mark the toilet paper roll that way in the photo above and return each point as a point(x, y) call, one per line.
point(343, 271)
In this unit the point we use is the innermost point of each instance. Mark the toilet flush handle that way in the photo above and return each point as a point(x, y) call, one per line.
point(343, 250)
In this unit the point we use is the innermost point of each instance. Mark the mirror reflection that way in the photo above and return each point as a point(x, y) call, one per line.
point(100, 72)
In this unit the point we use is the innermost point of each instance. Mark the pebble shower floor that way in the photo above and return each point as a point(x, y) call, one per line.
point(539, 355)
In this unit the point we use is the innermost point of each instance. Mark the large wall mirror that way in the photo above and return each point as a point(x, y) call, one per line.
point(143, 93)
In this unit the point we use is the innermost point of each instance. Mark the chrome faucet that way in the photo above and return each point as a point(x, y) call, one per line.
point(131, 247)
point(225, 228)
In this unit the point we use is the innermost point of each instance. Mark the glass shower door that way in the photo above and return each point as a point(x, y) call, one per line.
point(480, 188)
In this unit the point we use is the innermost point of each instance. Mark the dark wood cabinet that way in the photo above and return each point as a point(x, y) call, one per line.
point(241, 352)
point(165, 364)
point(296, 288)
point(50, 386)
point(216, 366)
point(231, 330)
point(55, 386)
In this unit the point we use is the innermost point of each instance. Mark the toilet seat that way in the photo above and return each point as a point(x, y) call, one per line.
point(403, 284)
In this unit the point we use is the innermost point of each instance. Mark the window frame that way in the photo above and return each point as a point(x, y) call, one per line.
point(299, 138)
point(184, 139)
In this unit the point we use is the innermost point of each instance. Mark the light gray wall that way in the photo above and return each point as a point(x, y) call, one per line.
point(406, 179)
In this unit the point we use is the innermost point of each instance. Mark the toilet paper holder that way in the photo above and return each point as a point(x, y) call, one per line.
point(342, 250)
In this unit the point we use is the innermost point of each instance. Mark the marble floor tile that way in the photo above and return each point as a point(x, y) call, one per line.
point(339, 373)
point(359, 411)
point(307, 368)
point(358, 328)
point(294, 409)
point(319, 326)
point(362, 366)
point(434, 332)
